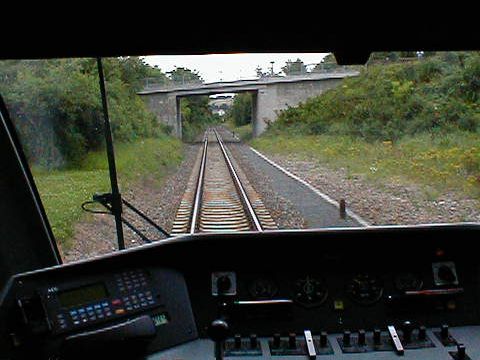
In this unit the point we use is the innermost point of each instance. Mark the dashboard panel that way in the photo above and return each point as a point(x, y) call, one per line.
point(333, 292)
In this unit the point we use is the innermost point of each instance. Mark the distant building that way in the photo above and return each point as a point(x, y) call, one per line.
point(219, 104)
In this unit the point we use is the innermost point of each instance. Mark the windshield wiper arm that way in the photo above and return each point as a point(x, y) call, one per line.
point(116, 197)
point(106, 201)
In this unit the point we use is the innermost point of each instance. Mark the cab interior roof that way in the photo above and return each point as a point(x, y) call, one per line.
point(351, 36)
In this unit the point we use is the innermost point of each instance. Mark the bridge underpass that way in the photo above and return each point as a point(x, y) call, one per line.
point(269, 96)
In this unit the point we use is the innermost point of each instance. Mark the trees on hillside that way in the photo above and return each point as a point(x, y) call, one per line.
point(294, 67)
point(56, 107)
point(182, 75)
point(241, 110)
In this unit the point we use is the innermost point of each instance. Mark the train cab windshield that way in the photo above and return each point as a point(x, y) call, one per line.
point(131, 150)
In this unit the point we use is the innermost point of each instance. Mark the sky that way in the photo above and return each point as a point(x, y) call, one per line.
point(229, 67)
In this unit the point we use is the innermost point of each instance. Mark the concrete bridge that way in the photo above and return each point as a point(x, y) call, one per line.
point(270, 95)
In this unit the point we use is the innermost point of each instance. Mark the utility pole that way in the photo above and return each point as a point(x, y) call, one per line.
point(271, 70)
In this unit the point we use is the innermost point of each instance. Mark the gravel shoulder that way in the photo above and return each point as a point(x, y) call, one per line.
point(382, 204)
point(95, 235)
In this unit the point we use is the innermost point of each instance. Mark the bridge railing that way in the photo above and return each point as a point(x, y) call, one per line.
point(160, 84)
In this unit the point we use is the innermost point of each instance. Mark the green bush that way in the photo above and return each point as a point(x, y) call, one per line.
point(57, 109)
point(387, 102)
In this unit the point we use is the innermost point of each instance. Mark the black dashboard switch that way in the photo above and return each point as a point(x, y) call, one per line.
point(377, 336)
point(292, 341)
point(238, 341)
point(276, 341)
point(444, 332)
point(407, 329)
point(361, 337)
point(253, 341)
point(461, 352)
point(323, 339)
point(346, 338)
point(422, 333)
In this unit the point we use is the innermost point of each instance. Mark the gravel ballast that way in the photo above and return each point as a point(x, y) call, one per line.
point(387, 204)
point(96, 235)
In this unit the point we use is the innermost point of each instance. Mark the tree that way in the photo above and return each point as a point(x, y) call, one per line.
point(329, 59)
point(327, 62)
point(294, 67)
point(183, 75)
point(241, 111)
point(259, 72)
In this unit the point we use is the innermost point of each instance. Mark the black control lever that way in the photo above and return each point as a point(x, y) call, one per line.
point(218, 331)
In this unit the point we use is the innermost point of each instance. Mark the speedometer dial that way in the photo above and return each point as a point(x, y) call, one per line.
point(408, 282)
point(262, 288)
point(365, 289)
point(310, 291)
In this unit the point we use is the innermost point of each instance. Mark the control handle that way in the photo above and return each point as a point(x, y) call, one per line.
point(218, 331)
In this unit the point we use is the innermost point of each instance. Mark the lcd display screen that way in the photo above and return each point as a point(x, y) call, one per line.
point(82, 295)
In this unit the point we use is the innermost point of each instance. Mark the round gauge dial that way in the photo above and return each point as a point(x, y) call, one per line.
point(263, 288)
point(310, 291)
point(365, 289)
point(408, 282)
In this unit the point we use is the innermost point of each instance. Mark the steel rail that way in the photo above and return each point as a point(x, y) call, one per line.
point(238, 184)
point(199, 191)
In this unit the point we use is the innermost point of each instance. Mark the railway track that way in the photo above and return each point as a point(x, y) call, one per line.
point(218, 197)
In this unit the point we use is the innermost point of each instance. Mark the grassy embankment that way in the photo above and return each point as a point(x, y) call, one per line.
point(435, 165)
point(63, 191)
point(244, 132)
point(402, 123)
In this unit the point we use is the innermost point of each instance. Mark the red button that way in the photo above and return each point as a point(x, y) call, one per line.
point(116, 302)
